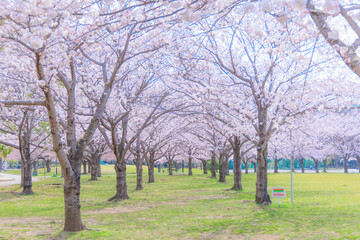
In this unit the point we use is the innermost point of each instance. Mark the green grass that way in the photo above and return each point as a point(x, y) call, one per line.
point(326, 206)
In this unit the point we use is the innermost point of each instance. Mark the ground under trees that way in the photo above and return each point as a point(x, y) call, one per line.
point(191, 207)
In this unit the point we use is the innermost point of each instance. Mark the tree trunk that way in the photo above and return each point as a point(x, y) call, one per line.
point(95, 169)
point(324, 165)
point(27, 186)
point(213, 165)
point(316, 165)
point(35, 165)
point(246, 168)
point(94, 172)
point(227, 171)
point(139, 174)
point(99, 174)
point(350, 57)
point(89, 167)
point(302, 165)
point(346, 166)
point(121, 186)
point(254, 164)
point(190, 166)
point(72, 173)
point(262, 196)
point(170, 168)
point(159, 168)
point(237, 165)
point(183, 166)
point(22, 174)
point(276, 166)
point(222, 168)
point(84, 165)
point(73, 221)
point(204, 166)
point(48, 165)
point(151, 172)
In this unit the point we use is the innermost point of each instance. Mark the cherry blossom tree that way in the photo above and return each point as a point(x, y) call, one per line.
point(26, 131)
point(96, 148)
point(338, 23)
point(72, 49)
point(156, 136)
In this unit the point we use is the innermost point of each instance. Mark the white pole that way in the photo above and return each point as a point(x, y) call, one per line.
point(278, 198)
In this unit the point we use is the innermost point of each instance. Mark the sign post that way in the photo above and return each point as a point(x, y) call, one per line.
point(278, 193)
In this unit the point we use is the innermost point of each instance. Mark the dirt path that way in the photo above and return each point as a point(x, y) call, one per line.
point(10, 179)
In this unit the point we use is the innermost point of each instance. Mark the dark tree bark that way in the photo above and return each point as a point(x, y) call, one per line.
point(213, 165)
point(227, 171)
point(35, 166)
point(139, 173)
point(255, 166)
point(121, 185)
point(150, 160)
point(120, 165)
point(94, 162)
point(346, 159)
point(301, 161)
point(190, 165)
point(262, 195)
point(73, 221)
point(222, 168)
point(27, 187)
point(151, 173)
point(246, 167)
point(276, 165)
point(358, 160)
point(159, 168)
point(235, 144)
point(316, 162)
point(84, 166)
point(24, 138)
point(139, 165)
point(204, 166)
point(48, 165)
point(89, 168)
point(95, 150)
point(170, 167)
point(183, 166)
point(324, 161)
point(22, 174)
point(99, 173)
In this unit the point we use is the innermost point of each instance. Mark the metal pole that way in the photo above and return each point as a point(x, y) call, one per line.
point(278, 199)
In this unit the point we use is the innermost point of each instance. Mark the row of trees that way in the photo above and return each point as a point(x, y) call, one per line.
point(175, 80)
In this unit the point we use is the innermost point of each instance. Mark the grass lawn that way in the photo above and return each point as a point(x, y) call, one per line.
point(327, 206)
